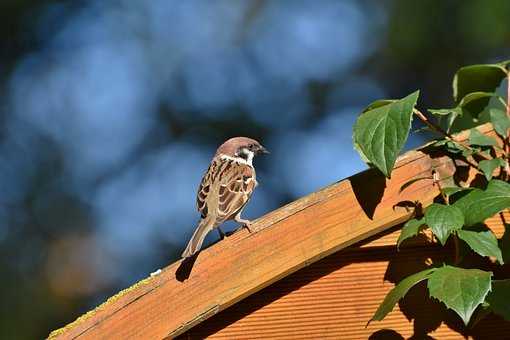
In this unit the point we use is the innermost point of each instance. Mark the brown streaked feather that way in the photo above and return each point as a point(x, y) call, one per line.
point(195, 243)
point(234, 198)
point(225, 189)
point(204, 189)
point(237, 191)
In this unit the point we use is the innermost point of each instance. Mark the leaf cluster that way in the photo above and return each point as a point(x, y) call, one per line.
point(480, 94)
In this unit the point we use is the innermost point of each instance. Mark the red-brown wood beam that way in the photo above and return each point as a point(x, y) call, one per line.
point(285, 240)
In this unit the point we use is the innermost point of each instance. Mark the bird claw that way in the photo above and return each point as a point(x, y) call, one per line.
point(245, 224)
point(222, 234)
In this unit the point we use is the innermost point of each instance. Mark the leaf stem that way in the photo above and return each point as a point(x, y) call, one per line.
point(436, 181)
point(446, 199)
point(446, 135)
point(432, 125)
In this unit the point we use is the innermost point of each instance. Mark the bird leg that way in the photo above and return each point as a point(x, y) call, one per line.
point(222, 234)
point(245, 223)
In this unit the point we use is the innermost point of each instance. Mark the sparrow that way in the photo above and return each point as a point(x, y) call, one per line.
point(225, 188)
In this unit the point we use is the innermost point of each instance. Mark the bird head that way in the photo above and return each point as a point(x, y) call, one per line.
point(241, 147)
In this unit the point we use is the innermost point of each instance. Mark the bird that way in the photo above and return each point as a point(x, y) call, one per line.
point(225, 189)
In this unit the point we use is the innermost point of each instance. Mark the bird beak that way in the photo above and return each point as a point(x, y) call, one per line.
point(262, 150)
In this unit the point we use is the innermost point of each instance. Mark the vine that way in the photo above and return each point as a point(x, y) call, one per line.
point(482, 95)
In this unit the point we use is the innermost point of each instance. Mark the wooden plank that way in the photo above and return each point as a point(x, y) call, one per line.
point(285, 240)
point(335, 297)
point(390, 237)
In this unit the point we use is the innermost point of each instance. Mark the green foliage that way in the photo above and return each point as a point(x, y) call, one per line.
point(473, 91)
point(379, 135)
point(489, 165)
point(477, 78)
point(499, 298)
point(500, 121)
point(410, 229)
point(454, 147)
point(478, 138)
point(505, 244)
point(450, 191)
point(443, 220)
point(470, 106)
point(483, 243)
point(381, 132)
point(479, 205)
point(460, 289)
point(398, 292)
point(378, 103)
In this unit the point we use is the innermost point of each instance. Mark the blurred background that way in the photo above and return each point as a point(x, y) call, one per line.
point(110, 111)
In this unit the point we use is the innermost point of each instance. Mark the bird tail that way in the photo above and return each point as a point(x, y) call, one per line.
point(204, 227)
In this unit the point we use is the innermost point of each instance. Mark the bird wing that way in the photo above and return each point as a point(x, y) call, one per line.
point(205, 188)
point(236, 190)
point(226, 187)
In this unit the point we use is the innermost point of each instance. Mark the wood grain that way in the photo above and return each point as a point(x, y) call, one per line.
point(335, 297)
point(285, 240)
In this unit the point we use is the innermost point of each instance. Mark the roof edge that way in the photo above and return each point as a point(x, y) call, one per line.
point(284, 241)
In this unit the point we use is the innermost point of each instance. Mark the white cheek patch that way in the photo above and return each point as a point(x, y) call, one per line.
point(240, 159)
point(249, 159)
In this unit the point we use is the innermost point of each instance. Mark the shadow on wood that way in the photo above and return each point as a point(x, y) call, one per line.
point(321, 288)
point(368, 186)
point(183, 272)
point(334, 291)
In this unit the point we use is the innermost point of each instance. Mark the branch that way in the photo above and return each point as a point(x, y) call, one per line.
point(445, 134)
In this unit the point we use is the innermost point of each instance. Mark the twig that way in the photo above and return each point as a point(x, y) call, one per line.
point(432, 125)
point(446, 199)
point(445, 134)
point(436, 181)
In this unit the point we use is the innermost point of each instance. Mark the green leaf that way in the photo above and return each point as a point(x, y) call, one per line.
point(482, 312)
point(484, 78)
point(398, 292)
point(447, 115)
point(469, 106)
point(483, 243)
point(505, 244)
point(478, 138)
point(476, 103)
point(444, 112)
point(443, 220)
point(450, 191)
point(378, 103)
point(380, 133)
point(467, 121)
point(504, 64)
point(455, 193)
point(488, 166)
point(499, 298)
point(479, 205)
point(410, 229)
point(500, 121)
point(460, 289)
point(475, 96)
point(451, 146)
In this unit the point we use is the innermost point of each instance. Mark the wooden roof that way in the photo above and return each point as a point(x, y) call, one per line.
point(285, 240)
point(334, 297)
